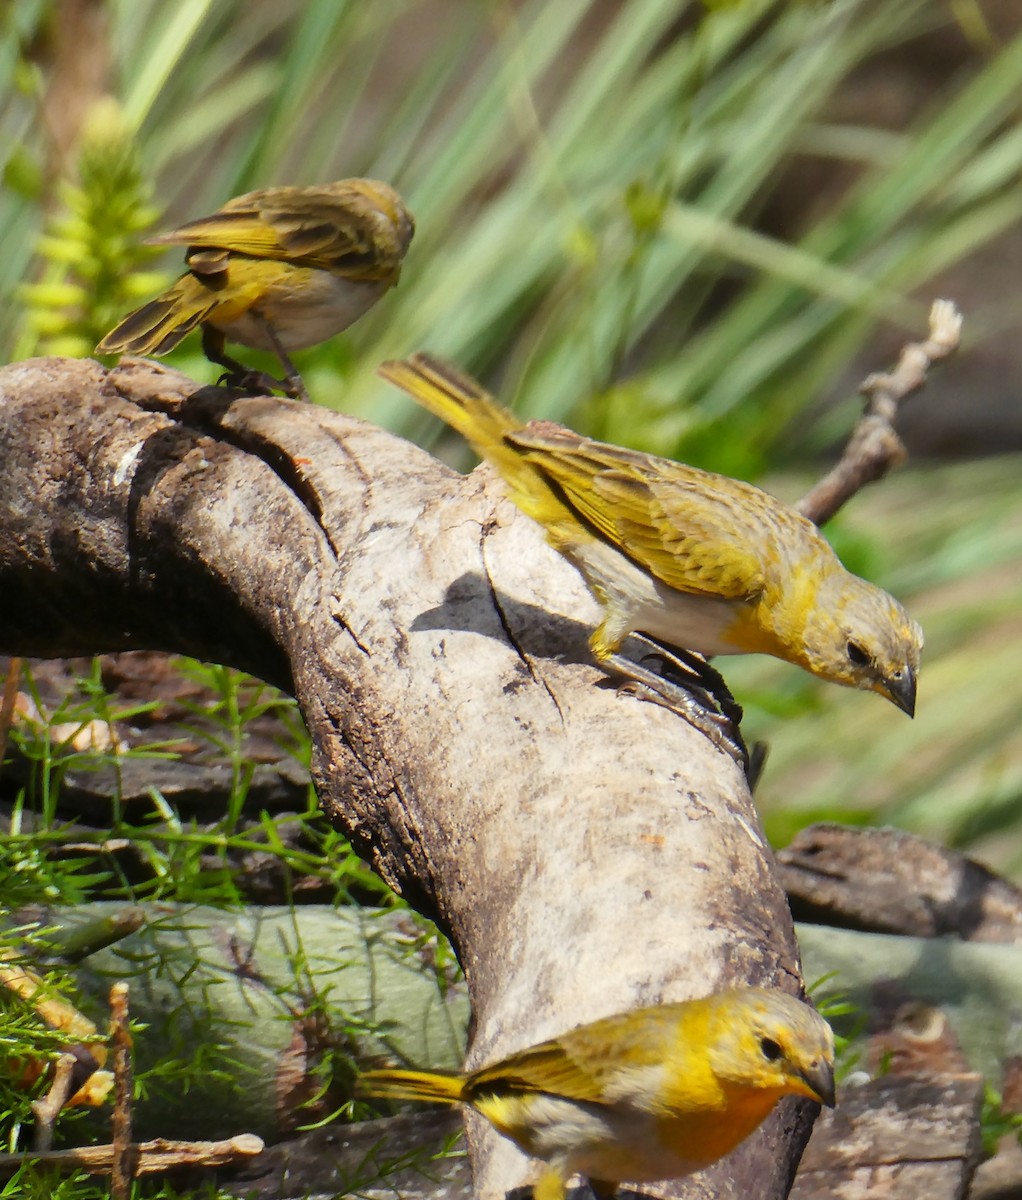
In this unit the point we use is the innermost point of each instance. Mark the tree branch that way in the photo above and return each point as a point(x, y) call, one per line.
point(874, 447)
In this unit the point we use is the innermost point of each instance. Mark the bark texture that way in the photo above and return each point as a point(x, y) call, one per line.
point(586, 852)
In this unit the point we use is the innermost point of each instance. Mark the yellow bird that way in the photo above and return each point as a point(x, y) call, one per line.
point(278, 269)
point(650, 1094)
point(687, 557)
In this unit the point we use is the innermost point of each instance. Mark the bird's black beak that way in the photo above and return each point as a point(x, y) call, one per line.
point(819, 1077)
point(901, 689)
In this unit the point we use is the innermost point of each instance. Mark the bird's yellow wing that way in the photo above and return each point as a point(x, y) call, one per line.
point(582, 1063)
point(356, 227)
point(544, 1068)
point(695, 531)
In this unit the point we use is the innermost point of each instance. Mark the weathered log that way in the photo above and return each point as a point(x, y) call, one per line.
point(896, 1137)
point(585, 852)
point(888, 881)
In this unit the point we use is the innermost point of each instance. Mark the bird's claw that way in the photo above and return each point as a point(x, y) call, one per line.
point(259, 383)
point(693, 673)
point(687, 685)
point(294, 386)
point(713, 725)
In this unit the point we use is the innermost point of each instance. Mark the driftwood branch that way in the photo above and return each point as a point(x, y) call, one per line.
point(892, 882)
point(152, 1158)
point(874, 447)
point(585, 852)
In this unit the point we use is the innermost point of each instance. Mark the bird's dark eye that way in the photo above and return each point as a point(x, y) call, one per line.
point(771, 1050)
point(856, 655)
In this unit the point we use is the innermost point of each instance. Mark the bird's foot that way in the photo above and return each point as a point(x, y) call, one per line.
point(686, 684)
point(256, 383)
point(259, 383)
point(294, 386)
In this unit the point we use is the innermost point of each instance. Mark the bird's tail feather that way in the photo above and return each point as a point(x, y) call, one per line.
point(157, 327)
point(411, 1085)
point(485, 425)
point(458, 400)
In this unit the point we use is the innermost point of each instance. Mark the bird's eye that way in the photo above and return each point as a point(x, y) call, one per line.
point(771, 1050)
point(856, 655)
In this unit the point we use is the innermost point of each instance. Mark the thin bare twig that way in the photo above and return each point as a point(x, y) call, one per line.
point(47, 1108)
point(874, 447)
point(124, 1153)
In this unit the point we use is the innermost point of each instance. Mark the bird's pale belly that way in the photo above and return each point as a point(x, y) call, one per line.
point(689, 621)
point(597, 1140)
point(322, 306)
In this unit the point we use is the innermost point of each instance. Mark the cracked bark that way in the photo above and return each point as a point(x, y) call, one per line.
point(585, 852)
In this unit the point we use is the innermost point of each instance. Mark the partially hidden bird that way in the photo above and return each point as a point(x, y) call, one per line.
point(277, 269)
point(692, 559)
point(651, 1094)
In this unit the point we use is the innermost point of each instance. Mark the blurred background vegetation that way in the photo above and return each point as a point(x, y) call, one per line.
point(687, 227)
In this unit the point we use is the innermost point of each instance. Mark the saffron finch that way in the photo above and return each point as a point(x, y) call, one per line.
point(650, 1094)
point(690, 558)
point(278, 269)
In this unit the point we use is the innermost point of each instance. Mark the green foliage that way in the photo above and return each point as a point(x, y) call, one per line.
point(374, 1173)
point(187, 861)
point(996, 1124)
point(238, 700)
point(587, 217)
point(847, 1020)
point(35, 1183)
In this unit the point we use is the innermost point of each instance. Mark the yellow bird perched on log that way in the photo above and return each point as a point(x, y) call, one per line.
point(278, 269)
point(652, 1094)
point(692, 559)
